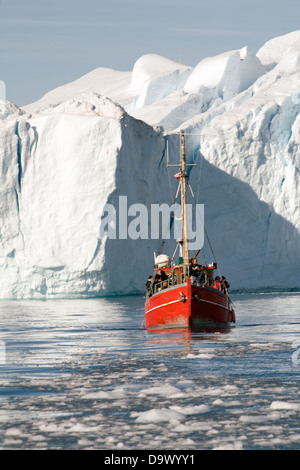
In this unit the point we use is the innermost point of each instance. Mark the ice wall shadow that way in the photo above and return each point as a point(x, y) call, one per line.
point(256, 247)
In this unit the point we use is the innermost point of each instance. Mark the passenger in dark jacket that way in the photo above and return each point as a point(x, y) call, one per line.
point(160, 276)
point(196, 274)
point(224, 284)
point(149, 282)
point(149, 287)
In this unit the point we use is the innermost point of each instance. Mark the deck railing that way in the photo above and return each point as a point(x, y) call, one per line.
point(172, 280)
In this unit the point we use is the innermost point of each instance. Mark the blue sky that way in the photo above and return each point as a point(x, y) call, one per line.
point(45, 44)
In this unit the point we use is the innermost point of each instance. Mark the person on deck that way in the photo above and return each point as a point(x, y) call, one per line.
point(159, 279)
point(224, 284)
point(149, 287)
point(217, 283)
point(160, 276)
point(148, 284)
point(196, 274)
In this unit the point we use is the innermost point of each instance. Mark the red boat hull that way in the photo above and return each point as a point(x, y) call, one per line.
point(187, 306)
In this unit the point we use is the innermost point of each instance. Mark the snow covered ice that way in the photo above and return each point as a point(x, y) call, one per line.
point(86, 143)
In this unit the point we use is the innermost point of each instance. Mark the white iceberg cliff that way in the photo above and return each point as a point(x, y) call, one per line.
point(87, 144)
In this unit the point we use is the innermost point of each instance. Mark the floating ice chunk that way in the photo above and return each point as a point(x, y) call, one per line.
point(191, 410)
point(283, 405)
point(253, 418)
point(13, 432)
point(233, 446)
point(275, 416)
point(166, 391)
point(218, 402)
point(159, 416)
point(213, 392)
point(200, 356)
point(100, 395)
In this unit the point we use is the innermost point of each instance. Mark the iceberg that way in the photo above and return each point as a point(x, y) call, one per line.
point(87, 145)
point(60, 167)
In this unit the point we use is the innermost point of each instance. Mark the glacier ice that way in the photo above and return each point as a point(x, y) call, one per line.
point(228, 74)
point(87, 143)
point(274, 50)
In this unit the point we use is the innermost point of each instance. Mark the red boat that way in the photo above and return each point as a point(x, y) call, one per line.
point(175, 298)
point(187, 306)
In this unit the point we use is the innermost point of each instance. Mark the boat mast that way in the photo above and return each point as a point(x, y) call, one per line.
point(183, 180)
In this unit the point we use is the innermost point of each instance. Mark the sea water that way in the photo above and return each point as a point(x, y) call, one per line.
point(85, 374)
